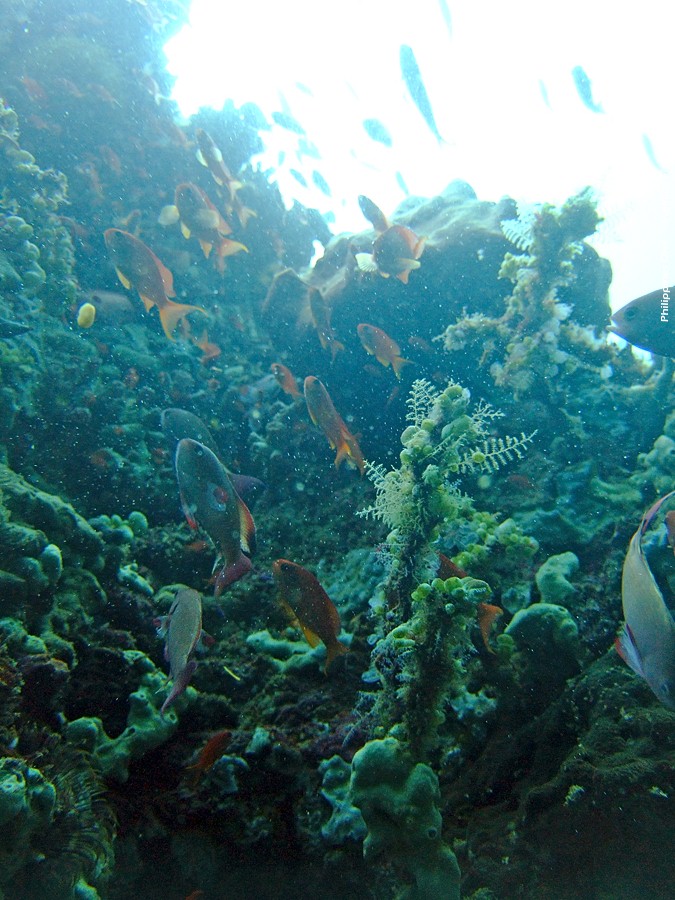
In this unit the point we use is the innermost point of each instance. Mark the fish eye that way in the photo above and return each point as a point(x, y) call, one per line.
point(631, 313)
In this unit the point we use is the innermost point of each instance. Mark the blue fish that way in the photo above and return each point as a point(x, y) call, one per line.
point(585, 90)
point(413, 80)
point(647, 642)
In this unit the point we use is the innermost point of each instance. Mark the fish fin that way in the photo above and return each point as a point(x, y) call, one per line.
point(652, 512)
point(161, 623)
point(123, 278)
point(205, 640)
point(147, 302)
point(229, 574)
point(626, 648)
point(365, 262)
point(397, 364)
point(185, 231)
point(246, 528)
point(419, 247)
point(179, 685)
point(311, 637)
point(171, 314)
point(335, 649)
point(229, 248)
point(206, 247)
point(169, 215)
point(244, 214)
point(201, 159)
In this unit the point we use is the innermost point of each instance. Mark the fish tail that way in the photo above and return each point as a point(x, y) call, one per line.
point(333, 651)
point(229, 574)
point(171, 314)
point(397, 364)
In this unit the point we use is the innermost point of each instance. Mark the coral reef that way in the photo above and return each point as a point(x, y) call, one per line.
point(481, 721)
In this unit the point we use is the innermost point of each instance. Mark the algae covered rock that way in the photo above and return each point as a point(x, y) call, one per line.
point(27, 802)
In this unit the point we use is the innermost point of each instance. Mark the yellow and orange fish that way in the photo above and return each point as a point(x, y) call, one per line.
point(309, 607)
point(324, 415)
point(286, 379)
point(396, 250)
point(385, 349)
point(137, 267)
point(199, 217)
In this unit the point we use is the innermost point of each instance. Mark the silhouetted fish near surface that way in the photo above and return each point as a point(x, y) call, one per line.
point(377, 132)
point(287, 121)
point(544, 93)
point(585, 90)
point(649, 150)
point(447, 18)
point(647, 642)
point(413, 80)
point(647, 322)
point(11, 329)
point(321, 183)
point(401, 183)
point(299, 177)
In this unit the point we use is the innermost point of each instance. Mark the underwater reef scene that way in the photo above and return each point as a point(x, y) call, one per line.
point(311, 572)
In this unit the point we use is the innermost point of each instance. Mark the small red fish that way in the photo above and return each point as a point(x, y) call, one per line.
point(447, 568)
point(210, 351)
point(396, 250)
point(487, 613)
point(210, 753)
point(320, 311)
point(324, 415)
point(286, 379)
point(309, 607)
point(385, 350)
point(137, 267)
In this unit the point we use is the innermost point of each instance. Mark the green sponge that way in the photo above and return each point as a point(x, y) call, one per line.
point(398, 799)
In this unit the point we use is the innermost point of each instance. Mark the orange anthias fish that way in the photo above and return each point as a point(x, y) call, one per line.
point(487, 614)
point(209, 350)
point(396, 250)
point(326, 417)
point(320, 311)
point(210, 155)
point(385, 349)
point(309, 607)
point(199, 217)
point(286, 379)
point(210, 753)
point(137, 267)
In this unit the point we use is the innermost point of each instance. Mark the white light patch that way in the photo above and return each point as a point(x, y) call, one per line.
point(486, 84)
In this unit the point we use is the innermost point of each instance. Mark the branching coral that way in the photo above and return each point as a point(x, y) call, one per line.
point(535, 338)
